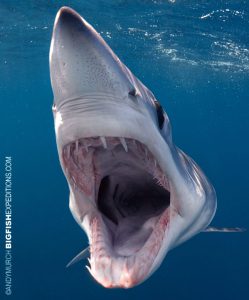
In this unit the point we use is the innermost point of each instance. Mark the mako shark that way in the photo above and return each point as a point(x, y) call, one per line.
point(134, 193)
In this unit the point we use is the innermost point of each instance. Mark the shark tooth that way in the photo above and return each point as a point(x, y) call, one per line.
point(123, 142)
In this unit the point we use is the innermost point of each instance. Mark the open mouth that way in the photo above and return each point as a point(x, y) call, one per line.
point(131, 197)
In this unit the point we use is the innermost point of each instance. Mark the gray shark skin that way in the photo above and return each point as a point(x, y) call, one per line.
point(134, 193)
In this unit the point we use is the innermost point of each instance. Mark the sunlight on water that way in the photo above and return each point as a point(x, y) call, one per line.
point(181, 33)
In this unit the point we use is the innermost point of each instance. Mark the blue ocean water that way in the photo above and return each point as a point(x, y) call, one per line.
point(194, 56)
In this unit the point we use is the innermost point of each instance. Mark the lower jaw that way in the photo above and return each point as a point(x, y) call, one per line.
point(114, 271)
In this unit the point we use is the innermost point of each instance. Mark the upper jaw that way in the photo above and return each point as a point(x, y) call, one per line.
point(133, 125)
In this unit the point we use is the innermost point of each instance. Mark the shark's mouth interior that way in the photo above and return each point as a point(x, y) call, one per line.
point(131, 194)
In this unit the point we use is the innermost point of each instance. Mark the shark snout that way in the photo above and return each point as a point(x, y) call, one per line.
point(81, 63)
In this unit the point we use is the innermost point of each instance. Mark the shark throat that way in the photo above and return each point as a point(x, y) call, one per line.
point(131, 197)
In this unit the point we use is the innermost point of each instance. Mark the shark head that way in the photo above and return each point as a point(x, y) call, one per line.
point(134, 193)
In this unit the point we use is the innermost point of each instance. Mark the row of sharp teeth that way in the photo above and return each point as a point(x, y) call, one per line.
point(104, 143)
point(151, 162)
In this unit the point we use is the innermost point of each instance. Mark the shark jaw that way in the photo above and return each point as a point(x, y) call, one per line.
point(130, 214)
point(134, 193)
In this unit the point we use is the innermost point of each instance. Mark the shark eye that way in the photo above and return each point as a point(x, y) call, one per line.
point(133, 92)
point(160, 116)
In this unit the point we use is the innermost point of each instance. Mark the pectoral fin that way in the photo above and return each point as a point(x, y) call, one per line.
point(224, 229)
point(82, 255)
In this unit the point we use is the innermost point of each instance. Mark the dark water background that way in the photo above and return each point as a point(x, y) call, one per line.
point(194, 56)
